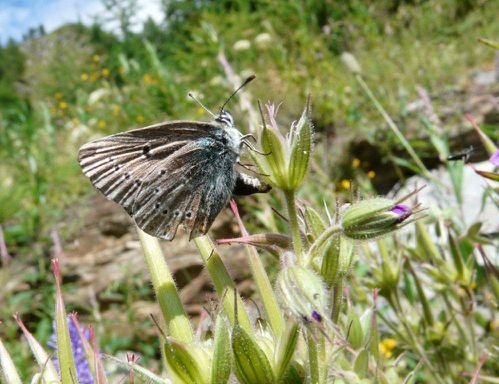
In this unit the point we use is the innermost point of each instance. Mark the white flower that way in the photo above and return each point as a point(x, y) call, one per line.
point(98, 94)
point(241, 45)
point(351, 62)
point(263, 40)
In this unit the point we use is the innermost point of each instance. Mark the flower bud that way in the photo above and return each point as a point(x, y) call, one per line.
point(251, 363)
point(372, 218)
point(286, 160)
point(303, 294)
point(188, 362)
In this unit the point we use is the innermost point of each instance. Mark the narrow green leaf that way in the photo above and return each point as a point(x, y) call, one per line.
point(286, 347)
point(49, 373)
point(64, 351)
point(7, 367)
point(142, 372)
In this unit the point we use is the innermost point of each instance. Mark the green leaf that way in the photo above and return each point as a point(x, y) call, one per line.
point(142, 372)
point(222, 356)
point(355, 334)
point(314, 221)
point(64, 352)
point(7, 367)
point(252, 365)
point(286, 347)
point(361, 364)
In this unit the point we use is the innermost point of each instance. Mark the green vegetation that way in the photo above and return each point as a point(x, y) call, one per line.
point(434, 319)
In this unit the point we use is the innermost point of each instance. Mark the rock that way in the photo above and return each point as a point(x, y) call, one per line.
point(441, 201)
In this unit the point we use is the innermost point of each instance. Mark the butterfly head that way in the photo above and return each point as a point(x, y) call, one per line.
point(225, 118)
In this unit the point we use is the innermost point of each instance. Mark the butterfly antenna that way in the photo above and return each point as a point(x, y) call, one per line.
point(191, 95)
point(248, 80)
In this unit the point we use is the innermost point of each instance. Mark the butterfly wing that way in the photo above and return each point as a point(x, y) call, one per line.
point(165, 174)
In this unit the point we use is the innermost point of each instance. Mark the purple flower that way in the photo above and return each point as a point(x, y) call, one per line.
point(494, 159)
point(82, 368)
point(402, 211)
point(316, 316)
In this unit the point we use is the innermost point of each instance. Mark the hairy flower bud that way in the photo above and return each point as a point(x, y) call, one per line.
point(303, 293)
point(372, 218)
point(286, 160)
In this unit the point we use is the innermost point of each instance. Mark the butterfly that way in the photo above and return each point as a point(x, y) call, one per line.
point(172, 173)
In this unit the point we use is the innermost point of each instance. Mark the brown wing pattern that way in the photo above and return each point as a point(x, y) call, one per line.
point(164, 175)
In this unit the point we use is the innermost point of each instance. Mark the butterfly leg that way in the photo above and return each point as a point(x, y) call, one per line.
point(248, 185)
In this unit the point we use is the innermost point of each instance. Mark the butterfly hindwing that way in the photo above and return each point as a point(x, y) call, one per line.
point(165, 174)
point(195, 185)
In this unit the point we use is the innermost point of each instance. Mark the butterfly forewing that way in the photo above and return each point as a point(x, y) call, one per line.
point(164, 175)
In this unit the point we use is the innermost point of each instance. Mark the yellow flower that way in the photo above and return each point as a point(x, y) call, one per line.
point(345, 184)
point(371, 174)
point(387, 346)
point(84, 76)
point(63, 105)
point(96, 58)
point(355, 163)
point(148, 79)
point(140, 119)
point(105, 72)
point(102, 124)
point(116, 109)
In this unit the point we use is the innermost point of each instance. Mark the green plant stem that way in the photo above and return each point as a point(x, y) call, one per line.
point(322, 239)
point(177, 322)
point(337, 299)
point(313, 359)
point(265, 291)
point(224, 285)
point(392, 126)
point(295, 229)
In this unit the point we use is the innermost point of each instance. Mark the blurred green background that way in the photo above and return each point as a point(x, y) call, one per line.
point(63, 87)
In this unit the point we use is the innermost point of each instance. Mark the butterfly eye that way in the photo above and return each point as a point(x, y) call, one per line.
point(188, 214)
